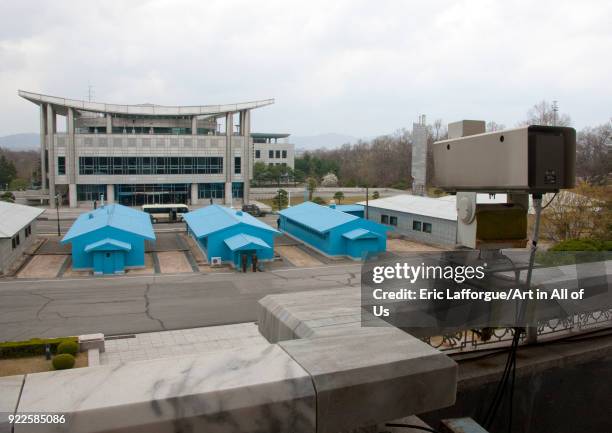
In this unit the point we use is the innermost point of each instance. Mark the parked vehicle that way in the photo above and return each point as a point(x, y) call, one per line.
point(253, 209)
point(165, 212)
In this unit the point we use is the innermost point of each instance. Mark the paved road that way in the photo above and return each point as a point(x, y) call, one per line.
point(124, 304)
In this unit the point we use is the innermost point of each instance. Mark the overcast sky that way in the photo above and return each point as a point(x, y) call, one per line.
point(362, 68)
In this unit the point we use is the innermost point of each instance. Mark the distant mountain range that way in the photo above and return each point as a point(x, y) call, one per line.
point(321, 141)
point(31, 141)
point(25, 141)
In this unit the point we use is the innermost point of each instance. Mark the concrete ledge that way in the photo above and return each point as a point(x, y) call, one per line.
point(93, 357)
point(91, 341)
point(10, 389)
point(362, 375)
point(250, 390)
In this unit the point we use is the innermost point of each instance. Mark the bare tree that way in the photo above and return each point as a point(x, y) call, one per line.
point(593, 154)
point(576, 214)
point(545, 113)
point(494, 126)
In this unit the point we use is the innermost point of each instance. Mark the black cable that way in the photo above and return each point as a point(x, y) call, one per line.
point(550, 201)
point(416, 427)
point(503, 383)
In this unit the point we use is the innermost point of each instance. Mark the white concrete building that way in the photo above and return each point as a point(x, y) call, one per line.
point(17, 231)
point(145, 154)
point(269, 150)
point(423, 219)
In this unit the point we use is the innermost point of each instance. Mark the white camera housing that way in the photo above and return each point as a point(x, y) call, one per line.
point(531, 159)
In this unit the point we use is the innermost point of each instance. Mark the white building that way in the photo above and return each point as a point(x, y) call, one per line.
point(17, 231)
point(423, 219)
point(145, 154)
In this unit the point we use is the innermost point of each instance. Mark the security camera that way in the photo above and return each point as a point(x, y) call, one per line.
point(534, 159)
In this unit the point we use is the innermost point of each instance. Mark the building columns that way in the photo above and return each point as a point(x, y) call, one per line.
point(71, 165)
point(72, 195)
point(247, 153)
point(227, 197)
point(109, 124)
point(110, 193)
point(229, 126)
point(194, 194)
point(51, 128)
point(194, 126)
point(43, 146)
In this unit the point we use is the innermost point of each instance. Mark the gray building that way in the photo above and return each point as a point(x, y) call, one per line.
point(421, 219)
point(146, 154)
point(17, 231)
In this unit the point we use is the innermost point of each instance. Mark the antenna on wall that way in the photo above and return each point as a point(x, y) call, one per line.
point(90, 92)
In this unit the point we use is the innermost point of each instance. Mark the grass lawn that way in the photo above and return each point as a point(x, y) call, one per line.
point(300, 199)
point(34, 364)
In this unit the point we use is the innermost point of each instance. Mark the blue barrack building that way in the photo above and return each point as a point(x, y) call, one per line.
point(333, 232)
point(110, 239)
point(231, 234)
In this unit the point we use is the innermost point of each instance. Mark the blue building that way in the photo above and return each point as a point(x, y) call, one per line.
point(333, 232)
point(110, 239)
point(229, 234)
point(353, 209)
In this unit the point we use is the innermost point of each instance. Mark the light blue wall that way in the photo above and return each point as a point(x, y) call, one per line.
point(214, 244)
point(333, 243)
point(83, 260)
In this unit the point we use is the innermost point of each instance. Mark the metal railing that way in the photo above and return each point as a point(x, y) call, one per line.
point(470, 340)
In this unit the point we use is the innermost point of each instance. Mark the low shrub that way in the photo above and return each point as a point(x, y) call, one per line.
point(63, 361)
point(70, 347)
point(582, 245)
point(33, 347)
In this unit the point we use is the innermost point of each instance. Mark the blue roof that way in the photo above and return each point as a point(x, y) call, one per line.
point(319, 218)
point(108, 244)
point(246, 242)
point(112, 215)
point(211, 219)
point(360, 234)
point(350, 207)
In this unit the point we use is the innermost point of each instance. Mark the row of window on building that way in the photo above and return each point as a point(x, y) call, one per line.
point(91, 165)
point(15, 240)
point(272, 154)
point(418, 226)
point(138, 194)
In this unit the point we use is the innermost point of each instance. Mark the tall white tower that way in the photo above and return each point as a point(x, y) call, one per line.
point(419, 156)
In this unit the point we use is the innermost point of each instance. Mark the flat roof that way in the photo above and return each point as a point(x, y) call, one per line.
point(14, 217)
point(415, 204)
point(269, 135)
point(141, 109)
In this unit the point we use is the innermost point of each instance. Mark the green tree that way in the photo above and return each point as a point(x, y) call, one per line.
point(311, 185)
point(281, 199)
point(18, 184)
point(319, 200)
point(339, 196)
point(375, 195)
point(260, 172)
point(7, 171)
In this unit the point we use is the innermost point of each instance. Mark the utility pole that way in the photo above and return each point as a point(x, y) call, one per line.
point(367, 209)
point(57, 211)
